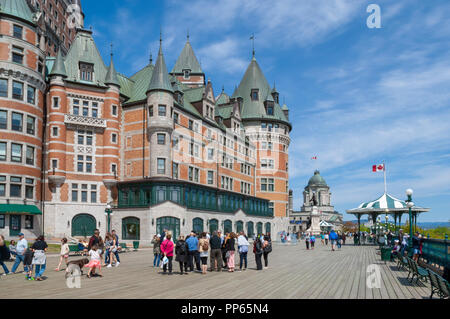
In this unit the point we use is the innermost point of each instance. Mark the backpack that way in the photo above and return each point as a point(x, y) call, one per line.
point(205, 245)
point(182, 249)
point(268, 247)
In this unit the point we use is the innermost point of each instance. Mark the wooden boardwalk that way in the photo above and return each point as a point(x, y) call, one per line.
point(293, 273)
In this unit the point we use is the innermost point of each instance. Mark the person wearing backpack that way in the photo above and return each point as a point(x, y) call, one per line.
point(267, 248)
point(4, 255)
point(258, 251)
point(181, 250)
point(243, 244)
point(203, 247)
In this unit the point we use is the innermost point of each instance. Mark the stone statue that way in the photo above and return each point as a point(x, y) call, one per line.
point(313, 200)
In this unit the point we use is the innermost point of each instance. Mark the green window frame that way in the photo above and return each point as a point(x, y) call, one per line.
point(131, 228)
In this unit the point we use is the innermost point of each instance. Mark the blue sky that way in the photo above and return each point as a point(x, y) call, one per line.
point(357, 96)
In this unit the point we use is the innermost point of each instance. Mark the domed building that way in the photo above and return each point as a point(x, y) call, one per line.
point(317, 193)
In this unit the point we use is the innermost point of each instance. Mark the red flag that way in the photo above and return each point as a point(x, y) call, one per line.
point(378, 168)
point(314, 157)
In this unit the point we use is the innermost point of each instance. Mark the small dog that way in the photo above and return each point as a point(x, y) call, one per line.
point(71, 265)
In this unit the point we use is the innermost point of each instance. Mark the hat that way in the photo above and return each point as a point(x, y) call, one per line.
point(21, 234)
point(396, 241)
point(158, 235)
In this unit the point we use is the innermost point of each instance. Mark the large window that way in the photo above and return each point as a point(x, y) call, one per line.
point(161, 165)
point(17, 90)
point(16, 153)
point(3, 87)
point(175, 170)
point(267, 184)
point(161, 110)
point(86, 71)
point(161, 138)
point(210, 177)
point(30, 155)
point(3, 151)
point(17, 31)
point(28, 221)
point(17, 55)
point(15, 188)
point(17, 120)
point(85, 137)
point(197, 225)
point(31, 92)
point(31, 125)
point(29, 188)
point(3, 119)
point(84, 163)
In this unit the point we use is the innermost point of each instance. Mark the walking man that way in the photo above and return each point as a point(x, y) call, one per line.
point(116, 251)
point(21, 247)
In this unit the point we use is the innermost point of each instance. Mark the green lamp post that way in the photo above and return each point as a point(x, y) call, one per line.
point(410, 204)
point(108, 212)
point(387, 218)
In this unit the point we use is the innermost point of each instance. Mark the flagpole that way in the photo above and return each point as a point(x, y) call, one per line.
point(384, 171)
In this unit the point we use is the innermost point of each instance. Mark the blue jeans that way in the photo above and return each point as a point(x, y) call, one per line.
point(4, 267)
point(107, 256)
point(156, 260)
point(39, 270)
point(242, 260)
point(19, 259)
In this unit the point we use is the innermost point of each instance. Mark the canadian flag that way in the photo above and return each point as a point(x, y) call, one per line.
point(314, 157)
point(378, 167)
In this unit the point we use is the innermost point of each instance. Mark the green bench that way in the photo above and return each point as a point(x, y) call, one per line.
point(438, 285)
point(73, 249)
point(416, 271)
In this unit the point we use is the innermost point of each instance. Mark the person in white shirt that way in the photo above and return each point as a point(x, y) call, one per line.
point(95, 261)
point(22, 246)
point(243, 250)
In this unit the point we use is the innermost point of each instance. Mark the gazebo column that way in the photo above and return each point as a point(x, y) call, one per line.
point(395, 222)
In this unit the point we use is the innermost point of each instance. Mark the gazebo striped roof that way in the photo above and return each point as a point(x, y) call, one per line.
point(386, 201)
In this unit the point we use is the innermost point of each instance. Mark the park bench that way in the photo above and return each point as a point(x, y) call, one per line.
point(416, 271)
point(73, 250)
point(401, 262)
point(438, 285)
point(124, 247)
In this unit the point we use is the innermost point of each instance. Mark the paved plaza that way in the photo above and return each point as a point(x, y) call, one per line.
point(293, 273)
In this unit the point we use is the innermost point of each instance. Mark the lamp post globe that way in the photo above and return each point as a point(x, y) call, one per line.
point(410, 204)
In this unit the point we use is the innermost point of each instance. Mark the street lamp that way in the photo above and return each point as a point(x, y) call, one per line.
point(108, 212)
point(410, 204)
point(386, 217)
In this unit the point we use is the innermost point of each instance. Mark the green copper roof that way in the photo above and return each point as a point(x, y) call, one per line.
point(285, 108)
point(187, 60)
point(160, 76)
point(111, 75)
point(58, 66)
point(223, 99)
point(139, 84)
point(18, 8)
point(126, 85)
point(317, 180)
point(194, 94)
point(224, 111)
point(255, 79)
point(83, 49)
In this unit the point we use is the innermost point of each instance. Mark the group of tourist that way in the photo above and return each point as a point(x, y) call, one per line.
point(192, 251)
point(401, 244)
point(33, 258)
point(336, 239)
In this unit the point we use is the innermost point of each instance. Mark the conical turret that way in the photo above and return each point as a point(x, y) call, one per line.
point(160, 76)
point(59, 67)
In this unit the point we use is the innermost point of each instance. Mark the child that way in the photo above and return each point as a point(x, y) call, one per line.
point(64, 254)
point(12, 249)
point(82, 247)
point(95, 261)
point(28, 263)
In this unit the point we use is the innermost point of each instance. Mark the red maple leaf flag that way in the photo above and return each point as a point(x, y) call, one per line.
point(314, 157)
point(378, 168)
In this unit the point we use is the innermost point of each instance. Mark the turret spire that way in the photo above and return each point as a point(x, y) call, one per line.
point(59, 67)
point(111, 75)
point(160, 76)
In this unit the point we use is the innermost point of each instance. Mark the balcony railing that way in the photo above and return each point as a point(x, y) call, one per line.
point(84, 121)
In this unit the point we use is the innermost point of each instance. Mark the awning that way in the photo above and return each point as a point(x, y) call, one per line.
point(19, 209)
point(325, 224)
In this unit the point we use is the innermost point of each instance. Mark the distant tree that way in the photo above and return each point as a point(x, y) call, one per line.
point(349, 227)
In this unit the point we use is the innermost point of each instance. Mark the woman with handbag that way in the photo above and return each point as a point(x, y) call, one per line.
point(181, 250)
point(267, 248)
point(230, 251)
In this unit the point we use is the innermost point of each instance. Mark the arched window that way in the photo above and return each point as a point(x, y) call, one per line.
point(197, 225)
point(172, 224)
point(227, 226)
point(259, 227)
point(239, 226)
point(213, 225)
point(250, 229)
point(131, 228)
point(268, 228)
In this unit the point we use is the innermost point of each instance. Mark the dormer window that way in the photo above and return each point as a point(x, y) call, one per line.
point(86, 71)
point(254, 95)
point(269, 109)
point(187, 74)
